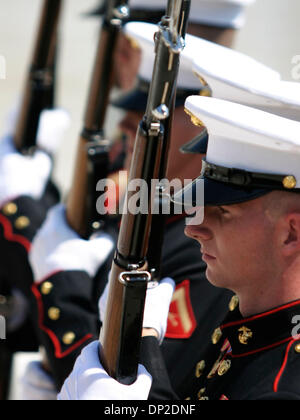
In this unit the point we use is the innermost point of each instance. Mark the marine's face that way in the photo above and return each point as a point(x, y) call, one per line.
point(183, 166)
point(126, 63)
point(128, 127)
point(237, 243)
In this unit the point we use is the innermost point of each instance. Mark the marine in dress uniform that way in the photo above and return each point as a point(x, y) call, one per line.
point(26, 192)
point(253, 353)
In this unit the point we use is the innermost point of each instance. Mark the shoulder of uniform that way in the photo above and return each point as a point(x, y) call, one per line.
point(21, 218)
point(64, 310)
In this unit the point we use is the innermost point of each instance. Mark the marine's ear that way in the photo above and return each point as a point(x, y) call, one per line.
point(291, 243)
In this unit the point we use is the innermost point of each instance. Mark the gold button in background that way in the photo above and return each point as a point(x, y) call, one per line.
point(10, 209)
point(22, 222)
point(68, 338)
point(46, 288)
point(54, 314)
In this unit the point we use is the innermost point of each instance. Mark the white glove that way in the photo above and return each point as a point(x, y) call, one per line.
point(52, 127)
point(56, 247)
point(22, 175)
point(36, 384)
point(158, 300)
point(89, 381)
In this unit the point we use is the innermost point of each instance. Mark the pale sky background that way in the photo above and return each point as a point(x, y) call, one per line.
point(271, 35)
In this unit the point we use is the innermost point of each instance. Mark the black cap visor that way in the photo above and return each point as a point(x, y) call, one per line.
point(198, 145)
point(207, 192)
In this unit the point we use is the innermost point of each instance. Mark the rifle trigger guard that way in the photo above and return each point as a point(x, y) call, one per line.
point(131, 277)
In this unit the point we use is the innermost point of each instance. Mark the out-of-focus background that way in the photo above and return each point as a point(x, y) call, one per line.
point(271, 35)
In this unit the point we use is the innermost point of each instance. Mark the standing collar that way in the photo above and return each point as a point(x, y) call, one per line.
point(260, 332)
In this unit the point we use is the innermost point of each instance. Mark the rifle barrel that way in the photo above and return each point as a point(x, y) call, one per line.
point(40, 82)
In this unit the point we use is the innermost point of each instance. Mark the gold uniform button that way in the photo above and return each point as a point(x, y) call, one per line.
point(54, 314)
point(10, 209)
point(216, 336)
point(200, 369)
point(68, 338)
point(22, 222)
point(297, 348)
point(224, 367)
point(46, 288)
point(234, 303)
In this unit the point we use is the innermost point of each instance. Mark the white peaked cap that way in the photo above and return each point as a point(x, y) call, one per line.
point(237, 77)
point(143, 34)
point(224, 13)
point(246, 138)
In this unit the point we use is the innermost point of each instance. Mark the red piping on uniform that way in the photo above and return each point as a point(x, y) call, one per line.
point(10, 236)
point(261, 349)
point(52, 336)
point(278, 377)
point(255, 317)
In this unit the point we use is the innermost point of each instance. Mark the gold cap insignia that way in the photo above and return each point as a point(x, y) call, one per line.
point(195, 120)
point(289, 182)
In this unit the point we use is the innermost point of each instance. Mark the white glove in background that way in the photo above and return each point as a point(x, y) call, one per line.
point(56, 247)
point(89, 381)
point(158, 301)
point(52, 127)
point(157, 306)
point(37, 385)
point(22, 175)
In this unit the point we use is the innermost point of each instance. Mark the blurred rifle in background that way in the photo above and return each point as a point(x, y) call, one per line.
point(40, 84)
point(92, 163)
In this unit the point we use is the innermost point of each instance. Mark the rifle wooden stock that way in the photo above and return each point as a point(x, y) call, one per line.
point(39, 87)
point(121, 331)
point(79, 201)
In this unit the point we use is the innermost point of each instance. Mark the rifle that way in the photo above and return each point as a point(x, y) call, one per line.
point(39, 89)
point(92, 162)
point(122, 327)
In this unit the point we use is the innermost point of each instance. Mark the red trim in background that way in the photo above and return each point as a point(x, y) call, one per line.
point(278, 377)
point(10, 236)
point(181, 311)
point(58, 352)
